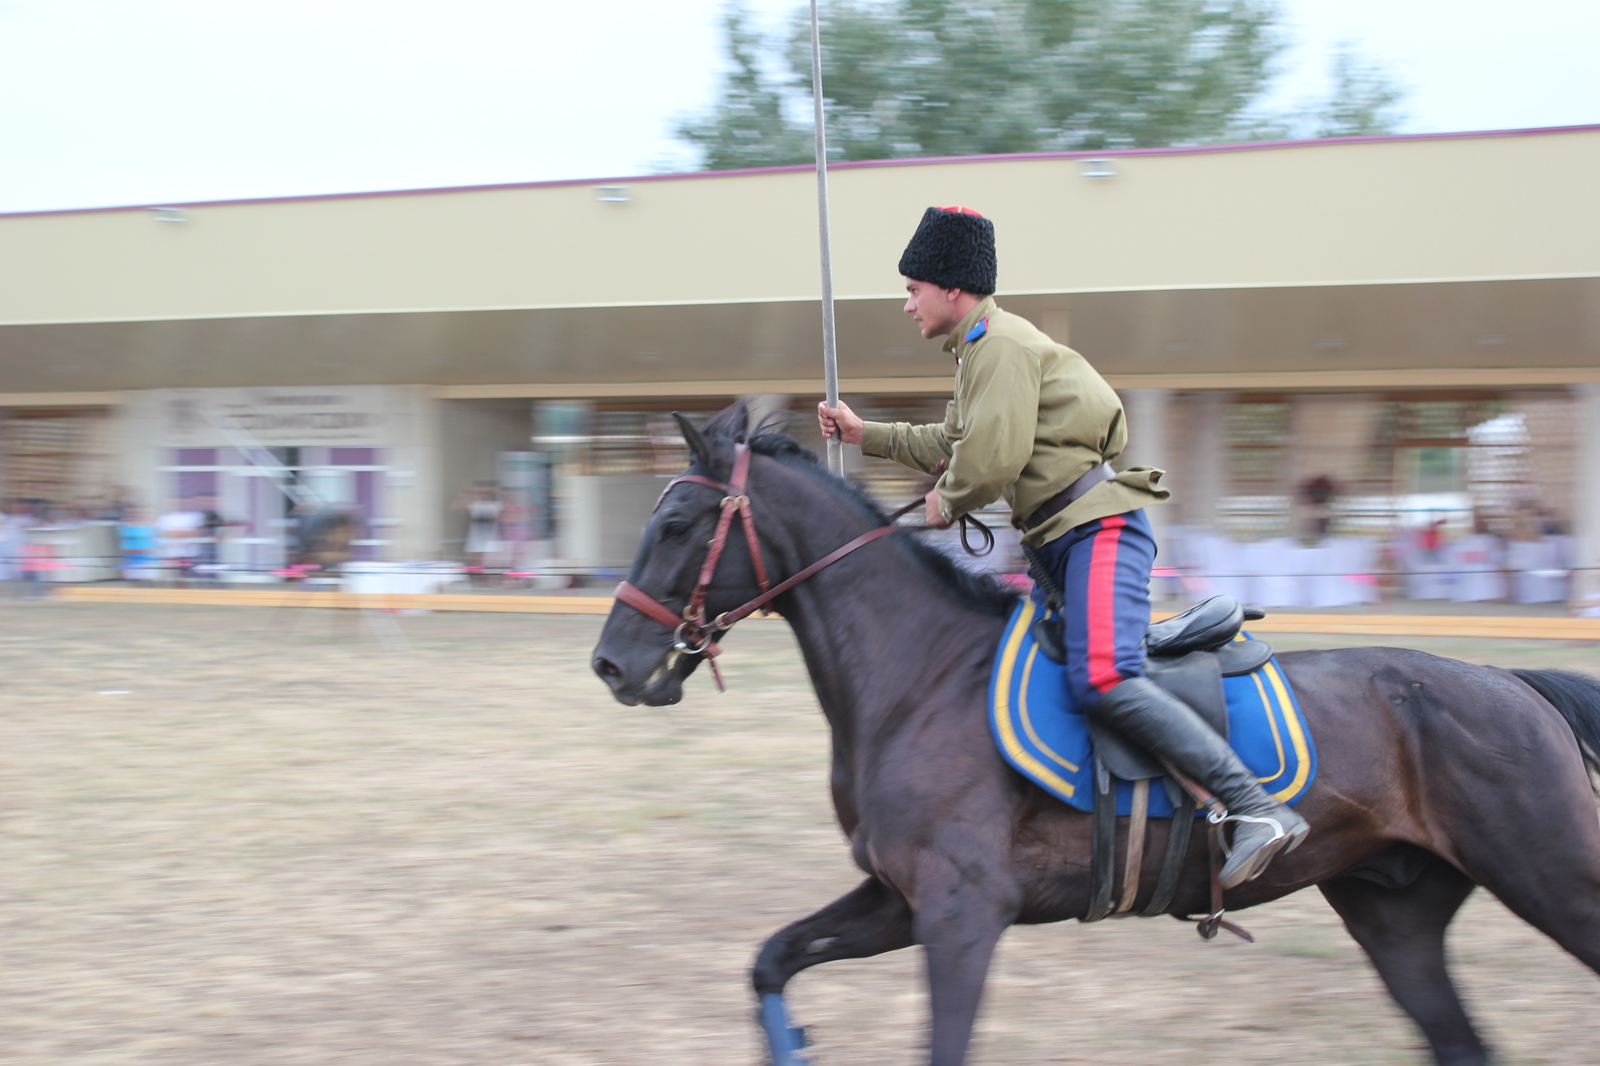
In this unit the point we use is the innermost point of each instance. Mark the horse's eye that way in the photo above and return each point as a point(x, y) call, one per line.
point(674, 529)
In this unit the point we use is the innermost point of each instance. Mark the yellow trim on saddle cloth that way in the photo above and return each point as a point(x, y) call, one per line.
point(1296, 736)
point(1272, 723)
point(1276, 708)
point(1027, 721)
point(1002, 698)
point(1279, 705)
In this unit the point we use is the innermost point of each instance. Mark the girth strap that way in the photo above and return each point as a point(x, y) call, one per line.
point(1133, 868)
point(1103, 834)
point(1179, 831)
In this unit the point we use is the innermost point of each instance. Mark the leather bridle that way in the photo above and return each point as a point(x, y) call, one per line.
point(692, 633)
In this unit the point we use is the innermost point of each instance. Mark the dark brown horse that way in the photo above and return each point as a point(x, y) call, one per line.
point(1435, 776)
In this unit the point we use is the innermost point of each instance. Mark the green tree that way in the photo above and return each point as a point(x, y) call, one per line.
point(918, 78)
point(748, 127)
point(1363, 100)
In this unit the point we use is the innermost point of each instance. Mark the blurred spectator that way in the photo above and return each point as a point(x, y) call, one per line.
point(37, 562)
point(124, 503)
point(214, 528)
point(13, 535)
point(1317, 495)
point(180, 531)
point(1431, 538)
point(483, 507)
point(138, 543)
point(1478, 562)
point(324, 536)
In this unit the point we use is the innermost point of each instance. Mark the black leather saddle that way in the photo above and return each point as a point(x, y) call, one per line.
point(1188, 655)
point(1205, 626)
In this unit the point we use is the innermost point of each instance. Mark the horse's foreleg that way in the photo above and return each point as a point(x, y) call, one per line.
point(959, 924)
point(1402, 931)
point(869, 920)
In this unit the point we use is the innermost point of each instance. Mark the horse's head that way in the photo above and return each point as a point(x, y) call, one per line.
point(640, 657)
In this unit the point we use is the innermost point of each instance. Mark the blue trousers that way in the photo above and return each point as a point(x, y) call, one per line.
point(1103, 571)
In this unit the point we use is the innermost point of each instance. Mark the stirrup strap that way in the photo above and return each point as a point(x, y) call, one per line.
point(1208, 925)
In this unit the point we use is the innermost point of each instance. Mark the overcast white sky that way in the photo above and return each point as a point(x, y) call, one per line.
point(108, 102)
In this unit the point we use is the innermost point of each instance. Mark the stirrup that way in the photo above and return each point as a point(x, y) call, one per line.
point(1219, 817)
point(1250, 864)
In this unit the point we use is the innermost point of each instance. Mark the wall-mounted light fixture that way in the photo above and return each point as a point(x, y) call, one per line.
point(1098, 168)
point(612, 194)
point(169, 214)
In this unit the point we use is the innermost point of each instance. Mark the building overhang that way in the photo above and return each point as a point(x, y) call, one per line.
point(1522, 333)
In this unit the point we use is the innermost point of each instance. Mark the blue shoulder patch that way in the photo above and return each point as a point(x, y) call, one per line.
point(976, 331)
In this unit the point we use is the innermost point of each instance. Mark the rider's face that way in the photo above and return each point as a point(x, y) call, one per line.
point(933, 308)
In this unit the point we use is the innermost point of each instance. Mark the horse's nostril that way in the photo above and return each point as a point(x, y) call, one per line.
point(606, 668)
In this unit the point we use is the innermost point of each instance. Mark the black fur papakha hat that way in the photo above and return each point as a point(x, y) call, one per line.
point(954, 249)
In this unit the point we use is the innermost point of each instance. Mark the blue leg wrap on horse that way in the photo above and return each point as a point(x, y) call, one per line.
point(784, 1040)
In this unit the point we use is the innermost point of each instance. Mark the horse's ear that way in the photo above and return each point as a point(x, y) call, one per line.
point(697, 443)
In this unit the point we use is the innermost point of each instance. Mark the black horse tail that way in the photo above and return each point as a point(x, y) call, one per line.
point(1577, 697)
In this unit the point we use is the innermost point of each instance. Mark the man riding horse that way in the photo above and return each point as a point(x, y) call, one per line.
point(1033, 422)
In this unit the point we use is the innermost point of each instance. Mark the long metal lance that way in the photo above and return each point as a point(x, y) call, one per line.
point(830, 348)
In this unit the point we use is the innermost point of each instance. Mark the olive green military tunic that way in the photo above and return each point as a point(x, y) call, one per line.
point(1029, 418)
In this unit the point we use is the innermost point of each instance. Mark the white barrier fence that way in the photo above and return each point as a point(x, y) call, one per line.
point(1346, 571)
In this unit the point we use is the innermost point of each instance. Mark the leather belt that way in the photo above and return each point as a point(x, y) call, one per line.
point(1066, 497)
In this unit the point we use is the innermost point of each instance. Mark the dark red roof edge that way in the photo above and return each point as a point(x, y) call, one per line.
point(1243, 146)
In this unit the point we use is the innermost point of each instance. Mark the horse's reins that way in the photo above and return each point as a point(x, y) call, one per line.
point(692, 634)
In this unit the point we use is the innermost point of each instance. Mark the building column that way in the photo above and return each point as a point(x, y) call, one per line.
point(413, 483)
point(1586, 495)
point(1200, 479)
point(1331, 434)
point(136, 433)
point(1148, 412)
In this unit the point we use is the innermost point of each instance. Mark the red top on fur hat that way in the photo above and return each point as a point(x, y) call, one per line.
point(963, 211)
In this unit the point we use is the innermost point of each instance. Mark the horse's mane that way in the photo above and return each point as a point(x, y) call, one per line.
point(768, 438)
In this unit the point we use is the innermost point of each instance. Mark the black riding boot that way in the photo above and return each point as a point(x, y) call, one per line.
point(1174, 732)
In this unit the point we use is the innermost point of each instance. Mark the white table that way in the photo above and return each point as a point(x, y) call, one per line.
point(421, 577)
point(87, 551)
point(1479, 563)
point(1539, 569)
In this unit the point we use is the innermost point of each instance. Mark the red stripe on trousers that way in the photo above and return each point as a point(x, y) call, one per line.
point(1103, 672)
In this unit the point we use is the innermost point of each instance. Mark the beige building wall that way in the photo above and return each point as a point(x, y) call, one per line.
point(1400, 210)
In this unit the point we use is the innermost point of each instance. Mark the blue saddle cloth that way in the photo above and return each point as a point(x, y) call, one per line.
point(1041, 734)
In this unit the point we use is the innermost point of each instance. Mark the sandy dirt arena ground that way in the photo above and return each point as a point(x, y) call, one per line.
point(249, 837)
